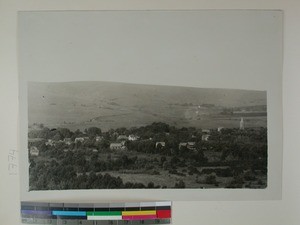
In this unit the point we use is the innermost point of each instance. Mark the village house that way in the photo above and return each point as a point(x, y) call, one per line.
point(117, 146)
point(160, 143)
point(34, 151)
point(205, 137)
point(81, 139)
point(68, 141)
point(191, 145)
point(133, 137)
point(220, 129)
point(122, 137)
point(99, 138)
point(205, 131)
point(182, 145)
point(188, 145)
point(50, 142)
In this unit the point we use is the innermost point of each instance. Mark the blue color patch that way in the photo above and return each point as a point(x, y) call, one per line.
point(68, 213)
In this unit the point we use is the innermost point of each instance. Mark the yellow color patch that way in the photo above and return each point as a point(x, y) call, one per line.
point(138, 213)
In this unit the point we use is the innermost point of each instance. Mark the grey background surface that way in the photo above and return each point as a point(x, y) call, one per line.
point(284, 211)
point(219, 49)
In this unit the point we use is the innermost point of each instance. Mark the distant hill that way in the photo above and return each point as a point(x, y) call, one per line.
point(111, 105)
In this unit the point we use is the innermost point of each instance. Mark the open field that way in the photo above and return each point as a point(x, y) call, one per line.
point(207, 122)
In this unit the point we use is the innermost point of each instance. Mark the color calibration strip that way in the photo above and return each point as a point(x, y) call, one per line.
point(96, 214)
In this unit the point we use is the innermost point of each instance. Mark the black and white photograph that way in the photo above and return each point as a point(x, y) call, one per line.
point(113, 135)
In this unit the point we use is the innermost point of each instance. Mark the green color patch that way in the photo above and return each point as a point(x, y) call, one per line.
point(104, 213)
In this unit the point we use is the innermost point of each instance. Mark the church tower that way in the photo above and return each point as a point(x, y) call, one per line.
point(242, 126)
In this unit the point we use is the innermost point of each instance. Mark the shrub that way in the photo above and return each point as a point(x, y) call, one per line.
point(180, 184)
point(155, 172)
point(150, 185)
point(211, 179)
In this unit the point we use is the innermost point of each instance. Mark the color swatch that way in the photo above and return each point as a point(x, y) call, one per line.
point(96, 214)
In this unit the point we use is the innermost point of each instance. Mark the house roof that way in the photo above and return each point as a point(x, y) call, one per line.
point(133, 135)
point(82, 138)
point(122, 136)
point(115, 144)
point(161, 143)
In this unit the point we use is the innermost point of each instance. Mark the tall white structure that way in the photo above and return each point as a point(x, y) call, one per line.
point(242, 126)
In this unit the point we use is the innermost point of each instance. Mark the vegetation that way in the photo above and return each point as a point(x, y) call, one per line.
point(230, 158)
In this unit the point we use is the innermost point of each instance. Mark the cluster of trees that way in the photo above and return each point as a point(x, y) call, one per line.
point(156, 131)
point(82, 162)
point(240, 150)
point(61, 133)
point(56, 176)
point(148, 136)
point(248, 147)
point(234, 141)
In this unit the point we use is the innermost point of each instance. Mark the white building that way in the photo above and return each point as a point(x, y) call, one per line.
point(160, 143)
point(182, 144)
point(122, 137)
point(50, 142)
point(133, 137)
point(205, 131)
point(220, 128)
point(189, 145)
point(81, 139)
point(34, 151)
point(99, 138)
point(68, 141)
point(117, 146)
point(242, 125)
point(205, 137)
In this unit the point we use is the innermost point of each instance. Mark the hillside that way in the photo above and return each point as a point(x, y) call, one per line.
point(77, 105)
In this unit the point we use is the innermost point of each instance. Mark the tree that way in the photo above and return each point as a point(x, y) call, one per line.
point(166, 165)
point(125, 161)
point(91, 180)
point(159, 127)
point(65, 132)
point(104, 144)
point(180, 184)
point(78, 133)
point(89, 143)
point(150, 185)
point(57, 137)
point(174, 161)
point(122, 130)
point(163, 159)
point(93, 131)
point(44, 133)
point(210, 179)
